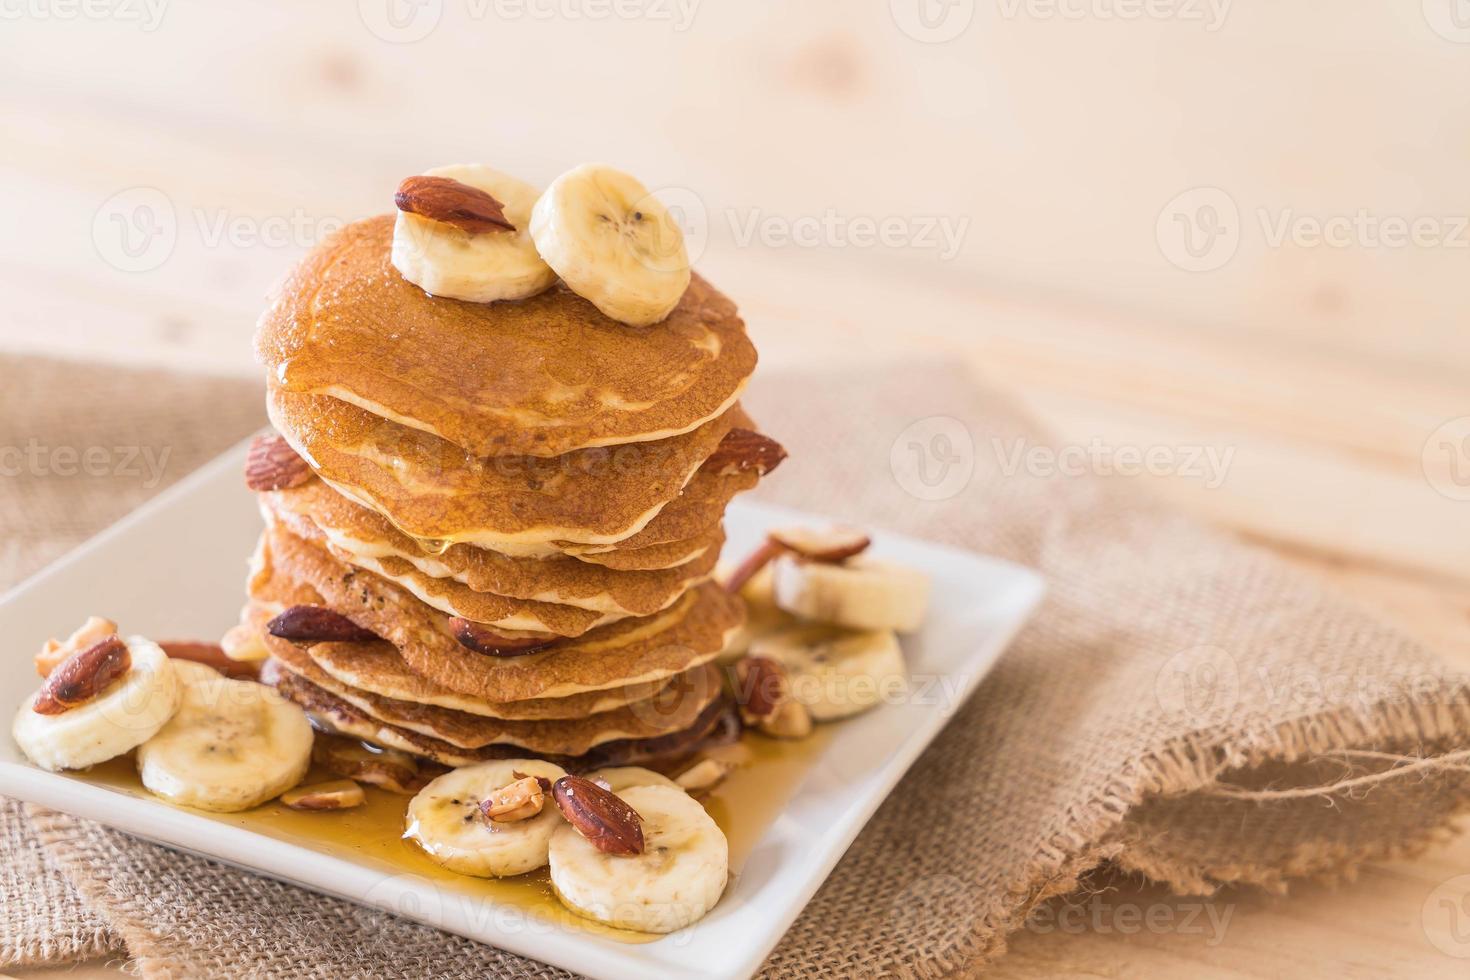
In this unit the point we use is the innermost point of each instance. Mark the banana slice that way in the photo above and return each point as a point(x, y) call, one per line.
point(837, 673)
point(481, 268)
point(619, 778)
point(861, 593)
point(121, 718)
point(231, 746)
point(613, 243)
point(676, 880)
point(445, 820)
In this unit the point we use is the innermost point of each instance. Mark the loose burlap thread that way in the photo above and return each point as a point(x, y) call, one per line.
point(1182, 706)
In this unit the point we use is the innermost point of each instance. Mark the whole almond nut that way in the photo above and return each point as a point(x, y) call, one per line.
point(317, 624)
point(758, 559)
point(482, 639)
point(744, 449)
point(83, 676)
point(830, 546)
point(605, 820)
point(271, 464)
point(761, 687)
point(452, 202)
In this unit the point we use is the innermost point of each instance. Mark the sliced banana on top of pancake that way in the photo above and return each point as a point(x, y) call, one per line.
point(98, 703)
point(615, 779)
point(232, 745)
point(492, 820)
point(671, 881)
point(613, 243)
point(448, 259)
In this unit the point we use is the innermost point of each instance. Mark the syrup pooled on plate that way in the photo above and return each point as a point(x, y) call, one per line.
point(767, 774)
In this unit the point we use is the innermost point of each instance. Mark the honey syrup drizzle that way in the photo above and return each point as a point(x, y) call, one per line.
point(767, 774)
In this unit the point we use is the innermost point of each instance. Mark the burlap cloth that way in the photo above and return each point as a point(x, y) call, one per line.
point(1171, 673)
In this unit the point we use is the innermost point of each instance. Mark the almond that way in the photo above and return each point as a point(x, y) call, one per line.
point(482, 639)
point(271, 464)
point(83, 676)
point(452, 202)
point(519, 800)
point(608, 823)
point(744, 449)
point(317, 624)
point(210, 655)
point(745, 571)
point(761, 688)
point(93, 631)
point(830, 546)
point(791, 720)
point(342, 794)
point(702, 775)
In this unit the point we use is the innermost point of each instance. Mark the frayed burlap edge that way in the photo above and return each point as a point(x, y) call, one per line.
point(1099, 833)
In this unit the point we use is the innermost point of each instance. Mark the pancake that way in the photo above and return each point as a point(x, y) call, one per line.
point(699, 507)
point(689, 633)
point(541, 376)
point(671, 710)
point(333, 714)
point(432, 489)
point(376, 668)
point(360, 537)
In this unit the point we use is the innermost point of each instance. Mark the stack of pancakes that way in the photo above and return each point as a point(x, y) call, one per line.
point(517, 506)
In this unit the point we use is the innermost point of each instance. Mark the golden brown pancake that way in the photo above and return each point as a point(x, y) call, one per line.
point(672, 710)
point(689, 633)
point(376, 668)
point(542, 376)
point(432, 489)
point(360, 537)
point(333, 714)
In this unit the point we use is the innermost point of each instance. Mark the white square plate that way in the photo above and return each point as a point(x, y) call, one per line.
point(175, 569)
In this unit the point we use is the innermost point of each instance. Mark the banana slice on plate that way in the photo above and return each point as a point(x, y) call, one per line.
point(837, 673)
point(480, 267)
point(118, 719)
point(231, 746)
point(678, 878)
point(861, 593)
point(446, 820)
point(613, 243)
point(619, 778)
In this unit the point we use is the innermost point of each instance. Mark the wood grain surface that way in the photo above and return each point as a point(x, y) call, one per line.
point(159, 179)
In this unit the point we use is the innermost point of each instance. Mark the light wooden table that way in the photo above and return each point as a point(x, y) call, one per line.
point(269, 115)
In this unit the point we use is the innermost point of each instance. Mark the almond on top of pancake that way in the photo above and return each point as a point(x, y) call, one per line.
point(518, 505)
point(541, 376)
point(671, 709)
point(376, 668)
point(687, 634)
point(361, 537)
